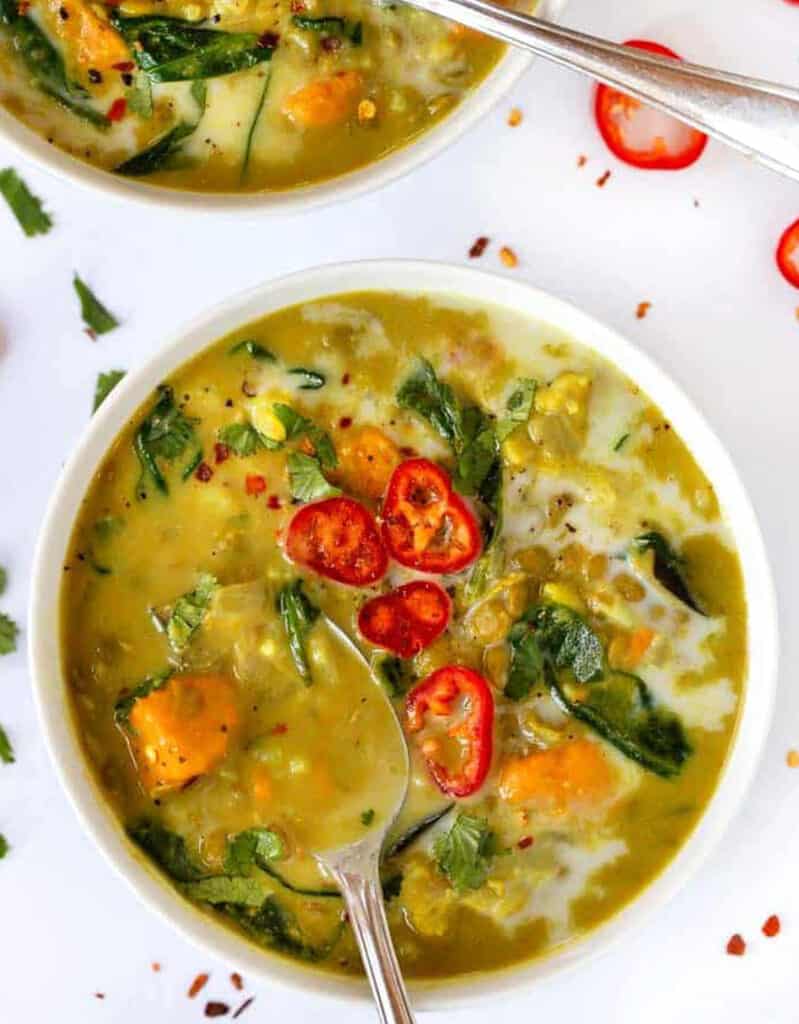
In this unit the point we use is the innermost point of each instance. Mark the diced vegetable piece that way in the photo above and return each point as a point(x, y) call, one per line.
point(182, 729)
point(88, 38)
point(325, 101)
point(627, 650)
point(367, 458)
point(571, 773)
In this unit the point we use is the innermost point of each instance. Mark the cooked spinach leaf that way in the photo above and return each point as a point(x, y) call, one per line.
point(188, 613)
point(621, 708)
point(395, 674)
point(216, 889)
point(6, 750)
point(567, 639)
point(174, 50)
point(157, 156)
point(518, 408)
point(45, 64)
point(165, 433)
point(411, 834)
point(106, 382)
point(25, 206)
point(667, 567)
point(465, 852)
point(253, 847)
point(306, 480)
point(95, 315)
point(4, 847)
point(299, 615)
point(311, 379)
point(297, 426)
point(273, 926)
point(423, 393)
point(9, 631)
point(254, 349)
point(124, 705)
point(526, 661)
point(167, 849)
point(342, 28)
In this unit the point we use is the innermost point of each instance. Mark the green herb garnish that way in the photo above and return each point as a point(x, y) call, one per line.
point(254, 349)
point(167, 849)
point(306, 480)
point(667, 567)
point(6, 750)
point(165, 433)
point(396, 674)
point(25, 206)
point(4, 847)
point(9, 631)
point(617, 447)
point(106, 382)
point(342, 28)
point(253, 848)
point(95, 316)
point(367, 817)
point(124, 705)
point(3, 580)
point(189, 611)
point(299, 615)
point(311, 380)
point(465, 852)
point(297, 426)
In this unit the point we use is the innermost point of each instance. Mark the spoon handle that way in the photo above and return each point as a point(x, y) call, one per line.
point(362, 892)
point(758, 117)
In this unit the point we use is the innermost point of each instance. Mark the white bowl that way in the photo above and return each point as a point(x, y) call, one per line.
point(438, 280)
point(497, 84)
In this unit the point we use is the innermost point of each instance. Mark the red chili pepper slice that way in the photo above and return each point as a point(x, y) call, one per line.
point(788, 254)
point(338, 538)
point(408, 619)
point(117, 109)
point(464, 697)
point(426, 525)
point(641, 136)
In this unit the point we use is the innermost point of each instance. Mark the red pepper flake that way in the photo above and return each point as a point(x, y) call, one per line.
point(255, 483)
point(345, 379)
point(92, 335)
point(117, 109)
point(479, 247)
point(221, 452)
point(771, 926)
point(280, 729)
point(642, 309)
point(237, 981)
point(273, 501)
point(204, 472)
point(602, 180)
point(214, 1009)
point(297, 6)
point(582, 160)
point(155, 966)
point(99, 995)
point(243, 1007)
point(407, 452)
point(525, 842)
point(736, 946)
point(330, 44)
point(268, 40)
point(124, 65)
point(197, 985)
point(345, 421)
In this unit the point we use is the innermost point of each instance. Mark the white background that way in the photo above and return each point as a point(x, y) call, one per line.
point(722, 322)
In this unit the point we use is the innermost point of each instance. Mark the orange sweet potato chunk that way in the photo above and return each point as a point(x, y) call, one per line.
point(326, 101)
point(571, 774)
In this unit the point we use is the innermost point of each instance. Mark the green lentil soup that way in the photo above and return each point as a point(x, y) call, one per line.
point(534, 565)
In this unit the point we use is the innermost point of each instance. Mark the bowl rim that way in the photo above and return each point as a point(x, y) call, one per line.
point(349, 185)
point(441, 281)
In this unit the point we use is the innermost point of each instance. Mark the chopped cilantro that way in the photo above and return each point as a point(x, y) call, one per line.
point(6, 750)
point(165, 433)
point(306, 480)
point(367, 817)
point(96, 317)
point(25, 206)
point(9, 631)
point(3, 580)
point(464, 853)
point(299, 615)
point(254, 349)
point(253, 847)
point(106, 382)
point(188, 613)
point(3, 846)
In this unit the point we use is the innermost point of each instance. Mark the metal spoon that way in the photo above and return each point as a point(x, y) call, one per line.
point(356, 870)
point(759, 118)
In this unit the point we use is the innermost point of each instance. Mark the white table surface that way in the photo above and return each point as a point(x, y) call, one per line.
point(722, 322)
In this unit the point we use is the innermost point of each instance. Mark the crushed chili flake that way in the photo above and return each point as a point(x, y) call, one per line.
point(221, 452)
point(99, 995)
point(123, 65)
point(155, 966)
point(479, 247)
point(198, 985)
point(525, 842)
point(204, 472)
point(117, 109)
point(508, 257)
point(771, 926)
point(582, 160)
point(237, 981)
point(736, 946)
point(279, 729)
point(273, 501)
point(254, 483)
point(515, 117)
point(642, 309)
point(345, 379)
point(601, 181)
point(792, 758)
point(92, 335)
point(330, 44)
point(247, 1002)
point(345, 421)
point(215, 1009)
point(297, 6)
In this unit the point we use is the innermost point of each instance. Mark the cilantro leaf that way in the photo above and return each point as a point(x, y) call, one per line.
point(124, 704)
point(306, 480)
point(423, 393)
point(297, 426)
point(526, 661)
point(568, 640)
point(165, 433)
point(25, 206)
point(367, 817)
point(464, 854)
point(106, 382)
point(96, 317)
point(9, 631)
point(4, 847)
point(3, 580)
point(253, 847)
point(254, 349)
point(244, 439)
point(140, 97)
point(298, 615)
point(518, 408)
point(241, 892)
point(6, 750)
point(189, 611)
point(167, 849)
